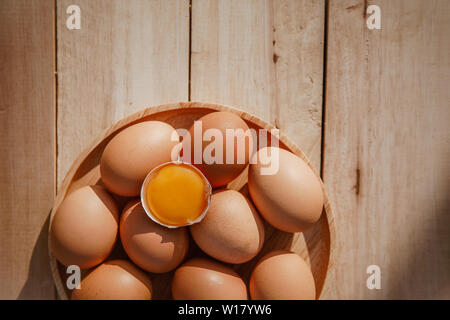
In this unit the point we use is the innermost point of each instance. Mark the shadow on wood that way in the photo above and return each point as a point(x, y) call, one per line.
point(39, 265)
point(434, 238)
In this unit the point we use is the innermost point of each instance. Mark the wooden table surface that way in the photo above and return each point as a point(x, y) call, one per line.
point(370, 108)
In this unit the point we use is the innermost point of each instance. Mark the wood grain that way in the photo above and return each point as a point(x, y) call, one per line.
point(27, 142)
point(265, 57)
point(387, 146)
point(128, 55)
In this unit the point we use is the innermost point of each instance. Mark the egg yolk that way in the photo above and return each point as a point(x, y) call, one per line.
point(177, 194)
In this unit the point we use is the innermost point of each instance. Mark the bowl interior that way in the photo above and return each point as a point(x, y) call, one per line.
point(314, 245)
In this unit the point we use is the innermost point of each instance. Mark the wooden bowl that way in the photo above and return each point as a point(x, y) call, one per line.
point(316, 245)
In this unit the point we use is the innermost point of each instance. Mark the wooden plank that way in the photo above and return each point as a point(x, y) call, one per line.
point(27, 144)
point(128, 55)
point(265, 57)
point(387, 147)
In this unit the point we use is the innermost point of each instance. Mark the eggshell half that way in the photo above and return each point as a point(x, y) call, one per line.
point(231, 230)
point(149, 245)
point(204, 279)
point(282, 275)
point(133, 153)
point(290, 199)
point(84, 229)
point(115, 280)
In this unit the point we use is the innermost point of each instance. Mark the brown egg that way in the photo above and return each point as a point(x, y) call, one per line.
point(115, 280)
point(204, 279)
point(133, 153)
point(231, 230)
point(282, 275)
point(151, 246)
point(84, 228)
point(220, 174)
point(291, 199)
